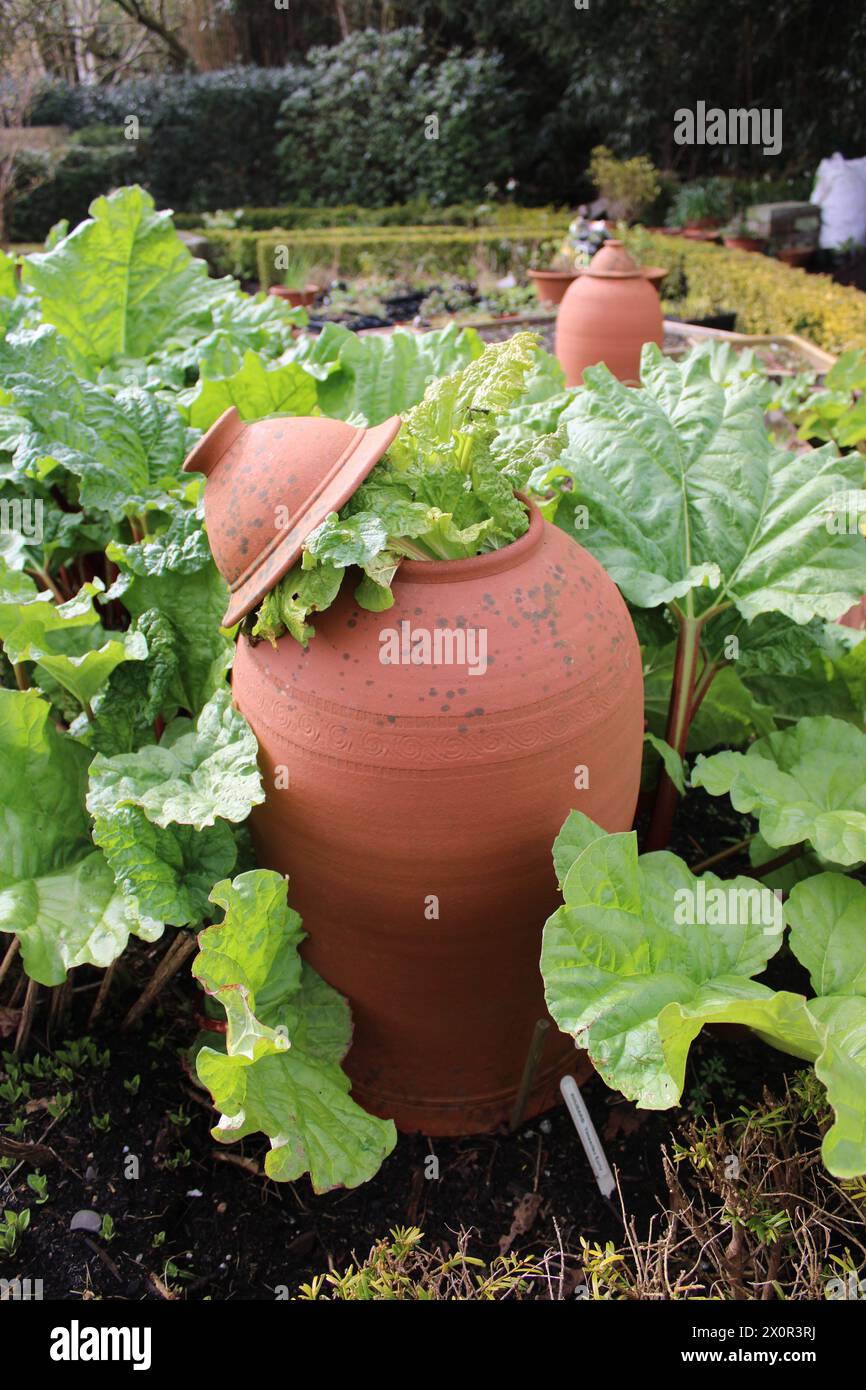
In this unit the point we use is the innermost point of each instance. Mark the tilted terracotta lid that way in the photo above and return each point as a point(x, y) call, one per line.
point(270, 483)
point(612, 262)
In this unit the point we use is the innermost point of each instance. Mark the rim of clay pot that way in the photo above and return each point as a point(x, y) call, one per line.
point(206, 454)
point(552, 274)
point(612, 262)
point(491, 562)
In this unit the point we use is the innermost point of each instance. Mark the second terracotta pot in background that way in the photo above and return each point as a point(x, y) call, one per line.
point(550, 285)
point(607, 315)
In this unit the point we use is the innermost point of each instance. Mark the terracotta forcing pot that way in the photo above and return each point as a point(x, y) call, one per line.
point(606, 316)
point(422, 802)
point(550, 285)
point(418, 764)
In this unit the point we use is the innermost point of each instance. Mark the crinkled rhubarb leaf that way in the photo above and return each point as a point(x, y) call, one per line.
point(256, 389)
point(803, 783)
point(287, 1032)
point(125, 451)
point(195, 775)
point(167, 873)
point(827, 917)
point(377, 376)
point(122, 283)
point(634, 982)
point(174, 573)
point(57, 893)
point(138, 693)
point(67, 639)
point(686, 495)
point(577, 832)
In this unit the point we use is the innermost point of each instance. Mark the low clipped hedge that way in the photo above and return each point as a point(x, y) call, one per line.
point(768, 296)
point(380, 250)
point(411, 214)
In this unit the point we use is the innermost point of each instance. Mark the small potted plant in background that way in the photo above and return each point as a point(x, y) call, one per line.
point(740, 235)
point(699, 208)
point(296, 285)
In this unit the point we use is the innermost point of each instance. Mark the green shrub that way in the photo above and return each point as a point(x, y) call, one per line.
point(82, 173)
point(359, 128)
point(628, 186)
point(768, 297)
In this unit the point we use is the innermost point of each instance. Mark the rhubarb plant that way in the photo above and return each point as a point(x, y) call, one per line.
point(805, 785)
point(679, 492)
point(643, 954)
point(286, 1034)
point(127, 775)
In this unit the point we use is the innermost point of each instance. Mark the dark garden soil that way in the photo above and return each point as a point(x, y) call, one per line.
point(200, 1221)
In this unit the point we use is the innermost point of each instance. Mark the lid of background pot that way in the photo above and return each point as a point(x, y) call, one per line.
point(612, 262)
point(270, 483)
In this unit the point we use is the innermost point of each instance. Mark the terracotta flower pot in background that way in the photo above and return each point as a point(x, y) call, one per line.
point(550, 285)
point(794, 255)
point(744, 243)
point(422, 802)
point(413, 801)
point(296, 298)
point(607, 315)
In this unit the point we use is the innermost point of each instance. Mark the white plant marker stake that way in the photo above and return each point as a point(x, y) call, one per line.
point(588, 1135)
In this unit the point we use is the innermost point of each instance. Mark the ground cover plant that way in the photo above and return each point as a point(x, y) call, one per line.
point(127, 775)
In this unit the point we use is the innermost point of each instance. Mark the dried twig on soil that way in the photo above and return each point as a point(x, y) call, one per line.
point(102, 993)
point(11, 953)
point(180, 949)
point(26, 1022)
